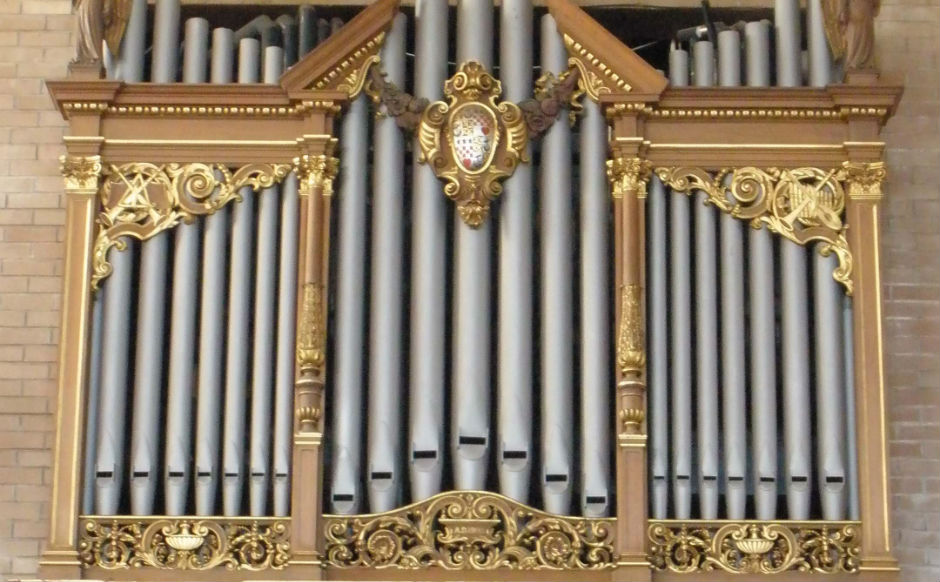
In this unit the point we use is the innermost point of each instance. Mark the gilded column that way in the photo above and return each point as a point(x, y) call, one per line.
point(863, 184)
point(315, 174)
point(628, 177)
point(81, 175)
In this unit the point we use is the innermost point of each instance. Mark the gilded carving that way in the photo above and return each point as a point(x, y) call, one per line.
point(184, 543)
point(753, 547)
point(631, 357)
point(863, 181)
point(311, 333)
point(628, 176)
point(142, 200)
point(472, 142)
point(631, 420)
point(596, 78)
point(316, 174)
point(552, 94)
point(80, 172)
point(800, 204)
point(350, 75)
point(469, 530)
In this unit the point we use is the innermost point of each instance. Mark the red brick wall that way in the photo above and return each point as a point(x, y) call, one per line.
point(35, 43)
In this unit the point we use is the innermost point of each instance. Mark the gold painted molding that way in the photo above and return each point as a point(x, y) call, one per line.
point(469, 530)
point(142, 200)
point(800, 204)
point(754, 547)
point(184, 543)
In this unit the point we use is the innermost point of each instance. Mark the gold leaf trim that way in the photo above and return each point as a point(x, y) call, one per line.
point(754, 547)
point(469, 530)
point(597, 78)
point(863, 181)
point(311, 334)
point(350, 75)
point(141, 200)
point(186, 543)
point(800, 204)
point(80, 172)
point(316, 173)
point(631, 356)
point(628, 176)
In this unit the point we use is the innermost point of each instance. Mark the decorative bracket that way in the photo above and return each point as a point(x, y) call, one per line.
point(800, 204)
point(473, 141)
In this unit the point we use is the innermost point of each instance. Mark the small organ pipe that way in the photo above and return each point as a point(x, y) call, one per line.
point(658, 365)
point(787, 36)
point(733, 309)
point(109, 465)
point(178, 438)
point(428, 272)
point(820, 60)
point(239, 296)
point(166, 41)
point(130, 67)
point(307, 29)
point(680, 307)
point(763, 379)
point(348, 374)
point(851, 438)
point(556, 295)
point(470, 408)
point(385, 329)
point(286, 340)
point(288, 28)
point(94, 398)
point(212, 317)
point(706, 318)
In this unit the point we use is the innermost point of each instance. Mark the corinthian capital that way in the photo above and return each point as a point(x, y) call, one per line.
point(81, 173)
point(316, 173)
point(863, 180)
point(628, 176)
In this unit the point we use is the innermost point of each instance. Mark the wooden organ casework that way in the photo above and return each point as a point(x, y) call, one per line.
point(470, 292)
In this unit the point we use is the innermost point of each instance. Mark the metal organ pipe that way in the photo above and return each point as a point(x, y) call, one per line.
point(94, 398)
point(428, 273)
point(762, 333)
point(239, 296)
point(348, 375)
point(658, 366)
point(166, 41)
point(384, 462)
point(733, 355)
point(307, 29)
point(556, 293)
point(706, 318)
point(470, 406)
point(680, 307)
point(130, 65)
point(851, 433)
point(183, 312)
point(787, 36)
point(212, 316)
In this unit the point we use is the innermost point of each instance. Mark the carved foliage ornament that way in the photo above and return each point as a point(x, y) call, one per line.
point(631, 356)
point(754, 547)
point(801, 204)
point(472, 142)
point(80, 172)
point(316, 174)
point(311, 333)
point(142, 200)
point(184, 544)
point(469, 530)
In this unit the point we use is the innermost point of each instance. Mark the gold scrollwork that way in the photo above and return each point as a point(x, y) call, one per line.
point(863, 181)
point(631, 356)
point(350, 75)
point(753, 547)
point(800, 204)
point(142, 200)
point(311, 334)
point(316, 173)
point(597, 78)
point(469, 530)
point(472, 142)
point(184, 543)
point(628, 176)
point(80, 172)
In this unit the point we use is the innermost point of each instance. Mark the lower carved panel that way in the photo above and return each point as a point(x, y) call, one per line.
point(754, 547)
point(184, 543)
point(469, 530)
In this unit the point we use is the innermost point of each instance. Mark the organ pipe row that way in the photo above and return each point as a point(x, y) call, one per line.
point(785, 299)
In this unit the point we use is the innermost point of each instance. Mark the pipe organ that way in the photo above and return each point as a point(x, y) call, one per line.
point(386, 299)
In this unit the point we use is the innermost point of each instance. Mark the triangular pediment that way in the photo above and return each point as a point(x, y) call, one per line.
point(610, 67)
point(340, 64)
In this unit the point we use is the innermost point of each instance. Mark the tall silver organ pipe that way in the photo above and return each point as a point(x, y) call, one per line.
point(212, 316)
point(658, 364)
point(681, 332)
point(470, 407)
point(94, 402)
point(348, 374)
point(428, 273)
point(130, 66)
point(787, 37)
point(733, 302)
point(763, 379)
point(595, 315)
point(706, 318)
point(851, 431)
point(385, 367)
point(556, 293)
point(178, 440)
point(239, 317)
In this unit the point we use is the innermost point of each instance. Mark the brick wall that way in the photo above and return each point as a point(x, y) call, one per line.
point(35, 41)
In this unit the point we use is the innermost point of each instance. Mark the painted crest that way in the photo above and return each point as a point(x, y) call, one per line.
point(485, 140)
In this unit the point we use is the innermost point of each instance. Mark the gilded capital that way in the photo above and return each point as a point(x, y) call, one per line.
point(316, 173)
point(628, 176)
point(81, 173)
point(863, 180)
